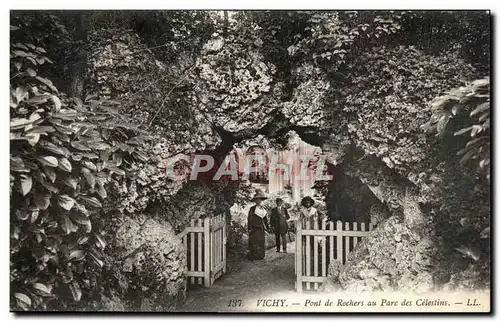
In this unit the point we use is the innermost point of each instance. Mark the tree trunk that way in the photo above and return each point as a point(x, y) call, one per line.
point(78, 69)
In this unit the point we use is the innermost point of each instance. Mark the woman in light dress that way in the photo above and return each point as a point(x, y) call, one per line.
point(309, 213)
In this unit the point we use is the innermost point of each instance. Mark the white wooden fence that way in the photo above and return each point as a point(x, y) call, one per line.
point(205, 242)
point(316, 247)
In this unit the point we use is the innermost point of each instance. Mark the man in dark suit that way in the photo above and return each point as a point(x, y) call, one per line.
point(279, 217)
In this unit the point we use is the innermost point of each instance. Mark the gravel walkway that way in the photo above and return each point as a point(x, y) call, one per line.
point(254, 280)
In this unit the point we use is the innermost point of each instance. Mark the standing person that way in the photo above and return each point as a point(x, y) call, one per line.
point(257, 224)
point(310, 213)
point(279, 217)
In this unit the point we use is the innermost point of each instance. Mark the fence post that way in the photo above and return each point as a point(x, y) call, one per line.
point(347, 241)
point(224, 232)
point(340, 252)
point(206, 253)
point(298, 254)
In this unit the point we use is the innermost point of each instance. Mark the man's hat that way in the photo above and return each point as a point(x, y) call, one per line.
point(259, 195)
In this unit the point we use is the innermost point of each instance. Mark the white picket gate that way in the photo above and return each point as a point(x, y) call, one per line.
point(205, 242)
point(316, 247)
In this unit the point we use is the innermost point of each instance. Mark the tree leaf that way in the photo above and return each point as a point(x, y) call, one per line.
point(67, 225)
point(50, 173)
point(62, 137)
point(96, 259)
point(77, 255)
point(462, 131)
point(17, 165)
point(100, 241)
point(118, 171)
point(140, 156)
point(67, 276)
point(469, 252)
point(57, 103)
point(66, 202)
point(89, 165)
point(46, 81)
point(22, 214)
point(93, 201)
point(23, 298)
point(34, 215)
point(47, 185)
point(81, 208)
point(26, 184)
point(18, 65)
point(20, 93)
point(80, 218)
point(31, 72)
point(480, 108)
point(63, 114)
point(99, 145)
point(49, 146)
point(80, 145)
point(65, 165)
point(63, 129)
point(467, 157)
point(82, 240)
point(48, 161)
point(475, 130)
point(118, 158)
point(75, 290)
point(89, 177)
point(78, 101)
point(70, 182)
point(42, 200)
point(19, 123)
point(41, 289)
point(32, 138)
point(102, 192)
point(90, 156)
point(39, 99)
point(485, 233)
point(443, 121)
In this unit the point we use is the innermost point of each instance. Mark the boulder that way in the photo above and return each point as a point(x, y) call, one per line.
point(152, 262)
point(392, 257)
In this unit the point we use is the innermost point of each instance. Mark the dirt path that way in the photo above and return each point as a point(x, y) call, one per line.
point(254, 280)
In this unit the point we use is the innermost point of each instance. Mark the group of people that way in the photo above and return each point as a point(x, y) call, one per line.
point(258, 223)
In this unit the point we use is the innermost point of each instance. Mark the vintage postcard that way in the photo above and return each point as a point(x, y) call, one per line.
point(250, 161)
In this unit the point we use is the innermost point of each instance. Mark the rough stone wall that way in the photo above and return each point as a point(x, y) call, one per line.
point(153, 263)
point(398, 255)
point(235, 85)
point(146, 262)
point(399, 164)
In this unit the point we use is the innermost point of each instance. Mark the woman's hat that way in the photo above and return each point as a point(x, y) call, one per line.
point(259, 195)
point(307, 200)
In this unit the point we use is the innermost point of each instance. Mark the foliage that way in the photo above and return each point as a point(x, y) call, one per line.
point(469, 107)
point(335, 38)
point(464, 32)
point(64, 155)
point(169, 33)
point(461, 120)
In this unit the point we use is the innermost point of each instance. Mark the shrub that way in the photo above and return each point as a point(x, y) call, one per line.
point(65, 153)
